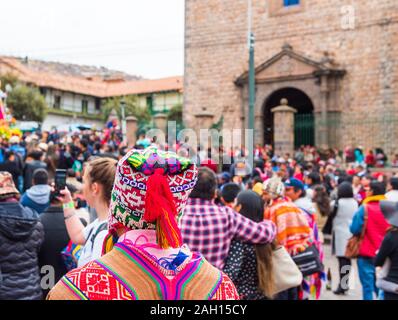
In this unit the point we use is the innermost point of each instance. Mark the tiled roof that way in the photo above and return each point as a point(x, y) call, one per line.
point(92, 86)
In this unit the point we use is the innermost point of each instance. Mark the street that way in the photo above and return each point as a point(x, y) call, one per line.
point(355, 286)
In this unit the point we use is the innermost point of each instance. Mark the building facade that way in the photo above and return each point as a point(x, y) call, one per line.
point(78, 98)
point(334, 62)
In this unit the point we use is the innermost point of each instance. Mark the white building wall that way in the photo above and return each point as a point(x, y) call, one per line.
point(91, 106)
point(70, 101)
point(53, 120)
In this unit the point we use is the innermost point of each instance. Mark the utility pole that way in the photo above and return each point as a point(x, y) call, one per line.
point(252, 82)
point(123, 111)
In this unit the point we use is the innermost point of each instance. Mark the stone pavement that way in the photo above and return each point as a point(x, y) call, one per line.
point(355, 292)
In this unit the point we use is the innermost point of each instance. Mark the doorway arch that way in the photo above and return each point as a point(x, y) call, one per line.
point(304, 123)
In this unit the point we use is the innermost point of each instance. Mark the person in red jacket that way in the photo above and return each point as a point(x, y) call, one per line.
point(370, 159)
point(370, 216)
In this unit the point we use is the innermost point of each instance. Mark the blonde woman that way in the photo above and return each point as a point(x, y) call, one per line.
point(98, 178)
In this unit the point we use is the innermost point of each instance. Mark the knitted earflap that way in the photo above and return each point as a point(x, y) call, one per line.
point(160, 208)
point(111, 238)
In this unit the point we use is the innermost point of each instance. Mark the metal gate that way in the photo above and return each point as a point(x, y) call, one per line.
point(304, 130)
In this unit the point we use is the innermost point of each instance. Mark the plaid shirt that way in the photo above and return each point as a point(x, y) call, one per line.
point(209, 229)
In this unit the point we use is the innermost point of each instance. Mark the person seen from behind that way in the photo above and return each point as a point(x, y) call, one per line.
point(31, 166)
point(209, 228)
point(37, 197)
point(56, 238)
point(293, 228)
point(250, 266)
point(342, 211)
point(369, 219)
point(392, 194)
point(144, 255)
point(228, 194)
point(21, 236)
point(98, 178)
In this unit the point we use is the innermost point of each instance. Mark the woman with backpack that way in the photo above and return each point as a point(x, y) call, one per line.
point(98, 178)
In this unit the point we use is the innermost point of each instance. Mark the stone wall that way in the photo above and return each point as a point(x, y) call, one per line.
point(362, 36)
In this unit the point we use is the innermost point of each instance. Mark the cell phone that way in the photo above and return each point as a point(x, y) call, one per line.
point(60, 180)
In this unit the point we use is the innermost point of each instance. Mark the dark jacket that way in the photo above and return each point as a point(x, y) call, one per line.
point(389, 249)
point(11, 167)
point(30, 167)
point(56, 238)
point(21, 235)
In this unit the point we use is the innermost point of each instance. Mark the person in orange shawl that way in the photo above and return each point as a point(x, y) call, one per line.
point(293, 229)
point(144, 257)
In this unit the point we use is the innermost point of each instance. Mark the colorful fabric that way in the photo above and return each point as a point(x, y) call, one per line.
point(71, 254)
point(2, 112)
point(293, 230)
point(151, 189)
point(241, 267)
point(311, 287)
point(7, 186)
point(128, 273)
point(209, 229)
point(258, 188)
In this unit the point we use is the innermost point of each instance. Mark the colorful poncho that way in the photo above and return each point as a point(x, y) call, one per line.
point(129, 272)
point(150, 191)
point(293, 230)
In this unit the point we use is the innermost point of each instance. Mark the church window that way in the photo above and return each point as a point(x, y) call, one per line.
point(288, 3)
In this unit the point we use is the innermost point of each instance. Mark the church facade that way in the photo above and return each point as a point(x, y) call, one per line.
point(334, 62)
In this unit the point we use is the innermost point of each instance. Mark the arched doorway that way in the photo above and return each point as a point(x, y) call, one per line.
point(304, 132)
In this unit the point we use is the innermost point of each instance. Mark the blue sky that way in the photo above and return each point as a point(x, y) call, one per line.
point(142, 37)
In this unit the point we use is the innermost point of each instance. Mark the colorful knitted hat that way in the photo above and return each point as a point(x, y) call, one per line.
point(274, 187)
point(150, 191)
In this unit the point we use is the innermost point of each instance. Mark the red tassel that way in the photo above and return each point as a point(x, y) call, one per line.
point(160, 208)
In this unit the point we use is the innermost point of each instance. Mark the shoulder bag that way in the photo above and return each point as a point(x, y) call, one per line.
point(354, 243)
point(286, 273)
point(309, 261)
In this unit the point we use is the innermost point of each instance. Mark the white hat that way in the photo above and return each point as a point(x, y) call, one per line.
point(274, 187)
point(43, 146)
point(14, 140)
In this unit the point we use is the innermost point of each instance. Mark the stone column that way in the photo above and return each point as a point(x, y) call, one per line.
point(323, 128)
point(203, 119)
point(131, 130)
point(284, 128)
point(160, 122)
point(259, 129)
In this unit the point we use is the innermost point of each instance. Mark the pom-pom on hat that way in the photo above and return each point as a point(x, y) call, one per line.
point(150, 192)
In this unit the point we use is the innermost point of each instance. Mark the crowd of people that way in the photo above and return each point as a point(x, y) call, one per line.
point(190, 223)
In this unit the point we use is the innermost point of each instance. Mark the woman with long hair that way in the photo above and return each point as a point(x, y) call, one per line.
point(98, 178)
point(322, 205)
point(250, 266)
point(51, 160)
